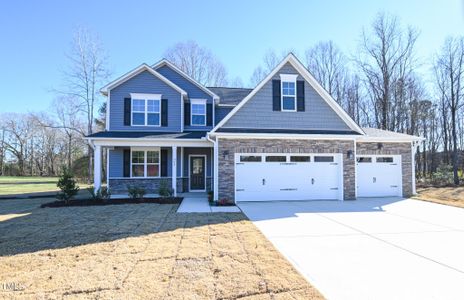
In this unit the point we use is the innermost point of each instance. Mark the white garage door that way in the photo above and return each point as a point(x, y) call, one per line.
point(267, 177)
point(378, 175)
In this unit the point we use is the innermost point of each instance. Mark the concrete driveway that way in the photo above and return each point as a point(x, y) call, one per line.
point(370, 248)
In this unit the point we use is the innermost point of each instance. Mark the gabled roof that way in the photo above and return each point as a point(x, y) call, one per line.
point(290, 58)
point(143, 67)
point(165, 62)
point(230, 96)
point(374, 134)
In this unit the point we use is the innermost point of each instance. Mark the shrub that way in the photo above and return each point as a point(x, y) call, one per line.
point(100, 195)
point(164, 190)
point(136, 192)
point(67, 185)
point(443, 175)
point(210, 197)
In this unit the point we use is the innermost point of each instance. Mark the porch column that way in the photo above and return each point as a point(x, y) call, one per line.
point(97, 167)
point(174, 170)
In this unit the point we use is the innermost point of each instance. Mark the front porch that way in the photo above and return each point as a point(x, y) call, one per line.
point(185, 167)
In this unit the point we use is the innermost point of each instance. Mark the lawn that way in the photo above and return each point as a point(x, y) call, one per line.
point(12, 185)
point(444, 195)
point(139, 251)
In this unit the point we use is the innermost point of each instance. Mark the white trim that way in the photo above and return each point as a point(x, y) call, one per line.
point(97, 167)
point(355, 152)
point(145, 164)
point(289, 78)
point(197, 102)
point(181, 161)
point(204, 170)
point(310, 79)
point(358, 138)
point(413, 162)
point(108, 169)
point(183, 74)
point(143, 67)
point(107, 125)
point(146, 98)
point(173, 169)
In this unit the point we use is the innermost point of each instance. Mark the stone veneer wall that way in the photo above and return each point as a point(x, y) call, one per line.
point(231, 146)
point(119, 186)
point(403, 149)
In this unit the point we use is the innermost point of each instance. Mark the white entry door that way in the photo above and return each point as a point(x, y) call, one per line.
point(269, 177)
point(378, 175)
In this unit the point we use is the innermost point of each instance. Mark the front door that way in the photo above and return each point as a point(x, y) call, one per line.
point(197, 173)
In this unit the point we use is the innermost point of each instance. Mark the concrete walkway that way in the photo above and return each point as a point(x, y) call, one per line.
point(199, 204)
point(370, 248)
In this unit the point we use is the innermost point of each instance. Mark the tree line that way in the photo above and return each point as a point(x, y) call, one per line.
point(383, 84)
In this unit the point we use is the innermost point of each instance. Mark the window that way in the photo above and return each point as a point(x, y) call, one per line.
point(198, 112)
point(145, 163)
point(323, 158)
point(302, 158)
point(276, 158)
point(146, 109)
point(250, 158)
point(288, 92)
point(384, 159)
point(364, 159)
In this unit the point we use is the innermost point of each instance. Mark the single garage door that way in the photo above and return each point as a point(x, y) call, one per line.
point(267, 177)
point(378, 175)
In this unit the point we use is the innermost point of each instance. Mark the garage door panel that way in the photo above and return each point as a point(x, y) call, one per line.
point(267, 181)
point(379, 176)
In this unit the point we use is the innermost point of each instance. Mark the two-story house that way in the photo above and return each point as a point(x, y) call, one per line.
point(286, 139)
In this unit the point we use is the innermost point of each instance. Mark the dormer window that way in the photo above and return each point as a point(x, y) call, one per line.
point(198, 112)
point(288, 92)
point(146, 109)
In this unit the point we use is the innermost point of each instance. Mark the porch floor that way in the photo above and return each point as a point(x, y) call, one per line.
point(198, 203)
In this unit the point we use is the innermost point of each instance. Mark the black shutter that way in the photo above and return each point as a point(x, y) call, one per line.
point(187, 113)
point(164, 162)
point(209, 114)
point(126, 163)
point(127, 111)
point(300, 96)
point(276, 95)
point(164, 112)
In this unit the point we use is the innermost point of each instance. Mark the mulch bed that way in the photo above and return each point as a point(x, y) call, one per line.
point(91, 202)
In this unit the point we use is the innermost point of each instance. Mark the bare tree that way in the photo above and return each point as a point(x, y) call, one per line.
point(449, 72)
point(385, 57)
point(328, 65)
point(198, 62)
point(87, 71)
point(270, 60)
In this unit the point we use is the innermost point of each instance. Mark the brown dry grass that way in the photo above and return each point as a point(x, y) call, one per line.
point(143, 251)
point(453, 196)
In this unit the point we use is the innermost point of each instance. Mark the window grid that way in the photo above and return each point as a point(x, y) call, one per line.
point(146, 112)
point(198, 113)
point(145, 163)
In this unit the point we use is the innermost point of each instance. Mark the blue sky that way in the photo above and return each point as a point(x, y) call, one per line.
point(35, 35)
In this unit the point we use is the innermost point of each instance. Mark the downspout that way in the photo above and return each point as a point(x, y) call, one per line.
point(215, 167)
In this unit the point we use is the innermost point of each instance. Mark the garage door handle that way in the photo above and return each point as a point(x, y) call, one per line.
point(374, 179)
point(264, 181)
point(312, 180)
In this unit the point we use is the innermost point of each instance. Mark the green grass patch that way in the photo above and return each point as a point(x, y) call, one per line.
point(14, 185)
point(19, 179)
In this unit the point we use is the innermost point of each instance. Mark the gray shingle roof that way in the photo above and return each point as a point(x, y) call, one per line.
point(149, 134)
point(230, 96)
point(380, 133)
point(287, 131)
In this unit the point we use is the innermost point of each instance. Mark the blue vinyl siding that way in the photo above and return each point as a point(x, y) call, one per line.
point(221, 112)
point(150, 84)
point(258, 113)
point(116, 160)
point(192, 90)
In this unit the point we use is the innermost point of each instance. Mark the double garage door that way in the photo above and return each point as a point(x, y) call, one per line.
point(378, 175)
point(267, 177)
